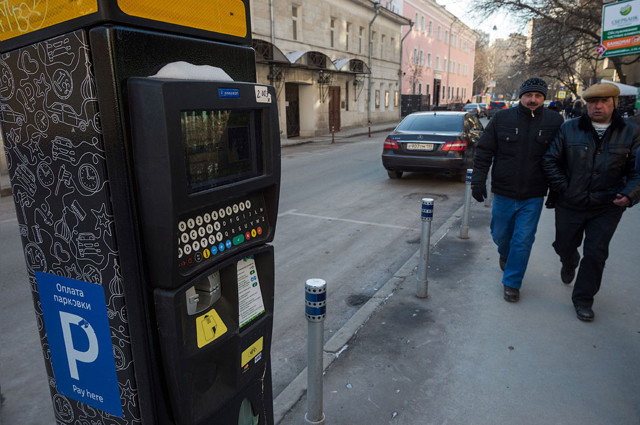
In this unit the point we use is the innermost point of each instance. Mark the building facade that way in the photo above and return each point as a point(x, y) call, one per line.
point(438, 54)
point(334, 63)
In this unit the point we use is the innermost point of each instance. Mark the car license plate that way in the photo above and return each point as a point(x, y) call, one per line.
point(420, 146)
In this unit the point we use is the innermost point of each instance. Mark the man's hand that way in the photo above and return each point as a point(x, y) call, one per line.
point(479, 192)
point(621, 200)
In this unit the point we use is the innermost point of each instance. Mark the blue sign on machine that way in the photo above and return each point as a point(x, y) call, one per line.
point(75, 317)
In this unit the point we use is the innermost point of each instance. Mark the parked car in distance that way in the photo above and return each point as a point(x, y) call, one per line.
point(484, 109)
point(474, 108)
point(495, 107)
point(435, 141)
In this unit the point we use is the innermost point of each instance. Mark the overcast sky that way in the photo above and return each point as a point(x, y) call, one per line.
point(461, 9)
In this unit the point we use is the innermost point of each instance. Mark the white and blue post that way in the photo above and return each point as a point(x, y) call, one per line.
point(464, 227)
point(316, 311)
point(422, 288)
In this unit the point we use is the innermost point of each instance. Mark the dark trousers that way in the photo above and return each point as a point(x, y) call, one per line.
point(598, 227)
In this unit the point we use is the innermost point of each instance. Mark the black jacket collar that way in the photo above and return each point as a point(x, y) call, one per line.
point(537, 112)
point(617, 122)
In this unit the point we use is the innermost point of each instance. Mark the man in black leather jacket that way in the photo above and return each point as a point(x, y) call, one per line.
point(514, 141)
point(590, 164)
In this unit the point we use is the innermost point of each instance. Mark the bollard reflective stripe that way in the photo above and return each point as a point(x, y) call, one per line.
point(469, 173)
point(427, 209)
point(315, 299)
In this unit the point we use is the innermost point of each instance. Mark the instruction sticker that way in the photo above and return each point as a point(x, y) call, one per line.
point(249, 293)
point(75, 317)
point(209, 327)
point(252, 352)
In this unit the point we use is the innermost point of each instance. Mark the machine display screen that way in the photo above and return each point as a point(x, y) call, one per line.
point(220, 147)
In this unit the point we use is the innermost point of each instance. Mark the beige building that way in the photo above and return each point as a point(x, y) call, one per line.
point(317, 55)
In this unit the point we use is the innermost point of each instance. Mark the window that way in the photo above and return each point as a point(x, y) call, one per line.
point(382, 40)
point(372, 42)
point(415, 27)
point(420, 88)
point(333, 31)
point(444, 64)
point(386, 99)
point(457, 92)
point(437, 62)
point(444, 91)
point(377, 100)
point(421, 58)
point(415, 55)
point(446, 37)
point(393, 48)
point(429, 60)
point(430, 29)
point(458, 69)
point(346, 36)
point(346, 95)
point(360, 36)
point(294, 21)
point(422, 24)
point(396, 99)
point(439, 32)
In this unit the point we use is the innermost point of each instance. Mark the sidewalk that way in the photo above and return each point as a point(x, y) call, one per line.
point(465, 356)
point(344, 133)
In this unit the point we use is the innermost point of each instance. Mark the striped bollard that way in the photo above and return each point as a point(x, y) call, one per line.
point(422, 288)
point(316, 310)
point(464, 227)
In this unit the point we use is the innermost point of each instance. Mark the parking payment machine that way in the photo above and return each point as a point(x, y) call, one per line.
point(145, 168)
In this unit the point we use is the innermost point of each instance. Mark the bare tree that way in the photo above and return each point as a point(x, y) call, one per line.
point(566, 35)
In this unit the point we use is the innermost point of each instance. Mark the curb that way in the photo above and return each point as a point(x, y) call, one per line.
point(338, 343)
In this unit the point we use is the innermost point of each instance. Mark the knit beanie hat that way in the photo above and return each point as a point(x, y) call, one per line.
point(533, 84)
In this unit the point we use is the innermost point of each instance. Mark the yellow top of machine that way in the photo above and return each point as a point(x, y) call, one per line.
point(20, 17)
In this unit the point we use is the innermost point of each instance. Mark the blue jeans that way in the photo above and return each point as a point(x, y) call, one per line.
point(513, 228)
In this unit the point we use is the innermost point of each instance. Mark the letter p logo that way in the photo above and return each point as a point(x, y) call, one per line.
point(73, 355)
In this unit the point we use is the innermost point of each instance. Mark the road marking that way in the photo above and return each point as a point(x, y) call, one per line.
point(321, 217)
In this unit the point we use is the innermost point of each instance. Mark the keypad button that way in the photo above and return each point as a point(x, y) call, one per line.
point(194, 235)
point(187, 249)
point(201, 231)
point(209, 228)
point(184, 237)
point(191, 223)
point(207, 217)
point(179, 252)
point(228, 243)
point(198, 257)
point(247, 204)
point(216, 226)
point(229, 210)
point(212, 240)
point(203, 242)
point(221, 246)
point(182, 226)
point(199, 220)
point(241, 206)
point(214, 215)
point(196, 245)
point(219, 236)
point(221, 213)
point(235, 208)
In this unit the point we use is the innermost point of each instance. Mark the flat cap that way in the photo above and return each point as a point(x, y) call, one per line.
point(601, 90)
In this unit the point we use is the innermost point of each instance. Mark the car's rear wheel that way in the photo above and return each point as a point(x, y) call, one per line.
point(394, 174)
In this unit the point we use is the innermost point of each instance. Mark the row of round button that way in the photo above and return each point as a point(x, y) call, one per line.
point(221, 246)
point(214, 215)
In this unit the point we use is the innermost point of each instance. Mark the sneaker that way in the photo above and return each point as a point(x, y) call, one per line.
point(511, 295)
point(585, 314)
point(567, 273)
point(503, 263)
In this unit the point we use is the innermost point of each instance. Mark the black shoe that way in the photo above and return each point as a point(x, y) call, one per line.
point(585, 313)
point(511, 294)
point(567, 273)
point(503, 262)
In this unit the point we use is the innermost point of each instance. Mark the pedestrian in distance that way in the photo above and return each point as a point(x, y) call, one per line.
point(577, 109)
point(514, 141)
point(590, 164)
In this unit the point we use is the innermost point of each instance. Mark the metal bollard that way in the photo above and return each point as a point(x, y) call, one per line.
point(422, 287)
point(369, 128)
point(489, 198)
point(333, 134)
point(315, 309)
point(464, 227)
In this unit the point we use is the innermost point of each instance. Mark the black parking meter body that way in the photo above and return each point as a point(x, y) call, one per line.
point(162, 193)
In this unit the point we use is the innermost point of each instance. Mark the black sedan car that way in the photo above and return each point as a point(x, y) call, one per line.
point(439, 141)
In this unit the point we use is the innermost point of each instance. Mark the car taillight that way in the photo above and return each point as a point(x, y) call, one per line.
point(504, 106)
point(457, 145)
point(488, 106)
point(390, 144)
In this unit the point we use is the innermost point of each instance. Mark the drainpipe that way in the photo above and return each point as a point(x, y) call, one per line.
point(401, 51)
point(377, 7)
point(273, 34)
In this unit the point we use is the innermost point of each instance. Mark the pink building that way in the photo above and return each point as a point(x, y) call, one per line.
point(438, 54)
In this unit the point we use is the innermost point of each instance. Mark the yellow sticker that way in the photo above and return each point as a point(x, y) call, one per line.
point(209, 326)
point(221, 16)
point(251, 352)
point(18, 17)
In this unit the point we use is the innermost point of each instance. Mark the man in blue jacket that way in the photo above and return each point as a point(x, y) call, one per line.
point(590, 164)
point(514, 141)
